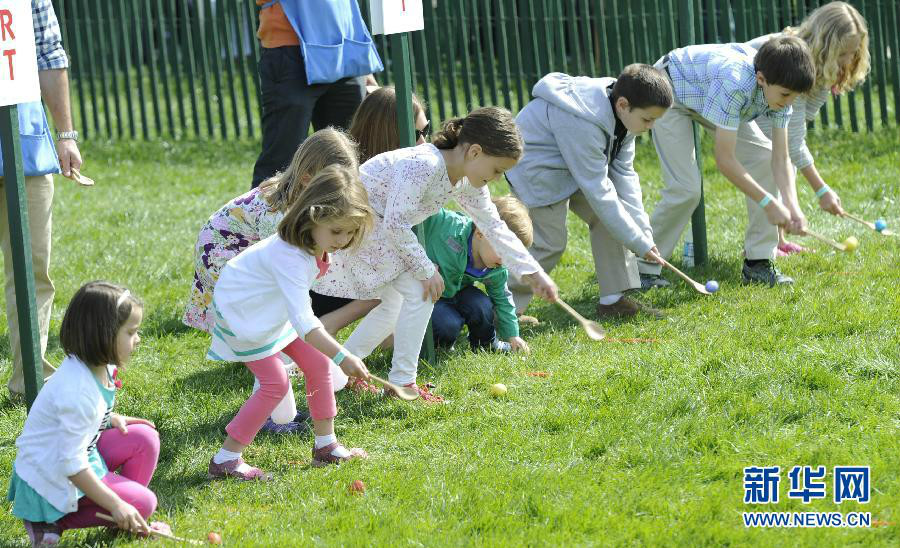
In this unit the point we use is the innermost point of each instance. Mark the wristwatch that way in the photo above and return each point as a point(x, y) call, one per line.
point(67, 135)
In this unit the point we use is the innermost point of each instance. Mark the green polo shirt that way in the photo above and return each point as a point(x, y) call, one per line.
point(447, 245)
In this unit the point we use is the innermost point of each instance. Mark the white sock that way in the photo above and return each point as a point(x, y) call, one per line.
point(322, 441)
point(225, 455)
point(610, 299)
point(340, 451)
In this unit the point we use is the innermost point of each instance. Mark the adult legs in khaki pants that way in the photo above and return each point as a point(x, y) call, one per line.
point(39, 192)
point(614, 265)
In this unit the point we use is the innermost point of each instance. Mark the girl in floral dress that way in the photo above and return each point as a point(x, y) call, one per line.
point(405, 187)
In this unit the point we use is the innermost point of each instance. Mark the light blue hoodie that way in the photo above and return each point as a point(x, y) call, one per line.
point(569, 130)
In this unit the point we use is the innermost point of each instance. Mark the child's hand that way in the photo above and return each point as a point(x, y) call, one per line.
point(652, 256)
point(542, 285)
point(517, 345)
point(128, 518)
point(121, 422)
point(797, 224)
point(777, 214)
point(831, 203)
point(434, 287)
point(118, 422)
point(354, 367)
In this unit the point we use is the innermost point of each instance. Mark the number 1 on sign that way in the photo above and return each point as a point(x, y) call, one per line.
point(404, 4)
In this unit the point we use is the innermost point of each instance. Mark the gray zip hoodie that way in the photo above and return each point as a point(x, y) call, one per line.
point(569, 130)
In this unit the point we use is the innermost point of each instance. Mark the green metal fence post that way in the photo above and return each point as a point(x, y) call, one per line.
point(20, 243)
point(698, 219)
point(403, 89)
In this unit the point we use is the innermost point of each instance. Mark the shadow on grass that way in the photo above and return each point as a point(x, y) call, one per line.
point(161, 322)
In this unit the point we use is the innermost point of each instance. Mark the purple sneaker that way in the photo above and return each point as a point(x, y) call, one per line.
point(42, 535)
point(230, 469)
point(293, 427)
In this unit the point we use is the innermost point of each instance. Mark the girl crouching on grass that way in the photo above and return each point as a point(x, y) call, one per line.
point(262, 307)
point(72, 442)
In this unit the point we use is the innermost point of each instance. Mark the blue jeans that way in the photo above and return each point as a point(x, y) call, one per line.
point(470, 307)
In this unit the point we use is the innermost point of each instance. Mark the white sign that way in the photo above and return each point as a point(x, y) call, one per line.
point(393, 16)
point(18, 60)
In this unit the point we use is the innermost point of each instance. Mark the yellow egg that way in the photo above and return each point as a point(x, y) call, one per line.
point(851, 243)
point(498, 390)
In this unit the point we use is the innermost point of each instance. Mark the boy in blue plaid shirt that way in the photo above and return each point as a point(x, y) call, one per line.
point(725, 87)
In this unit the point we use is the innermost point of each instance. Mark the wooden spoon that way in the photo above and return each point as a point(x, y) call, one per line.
point(699, 287)
point(405, 393)
point(155, 533)
point(829, 241)
point(871, 225)
point(593, 329)
point(81, 179)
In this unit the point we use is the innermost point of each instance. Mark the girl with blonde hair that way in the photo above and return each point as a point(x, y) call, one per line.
point(262, 308)
point(838, 37)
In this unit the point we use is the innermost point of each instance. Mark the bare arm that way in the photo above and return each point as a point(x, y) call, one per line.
point(784, 180)
point(55, 92)
point(325, 343)
point(829, 201)
point(726, 142)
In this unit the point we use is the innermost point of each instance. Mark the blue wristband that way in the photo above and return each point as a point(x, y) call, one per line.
point(821, 192)
point(765, 201)
point(338, 358)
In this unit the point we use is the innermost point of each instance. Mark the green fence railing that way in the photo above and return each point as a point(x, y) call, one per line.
point(187, 68)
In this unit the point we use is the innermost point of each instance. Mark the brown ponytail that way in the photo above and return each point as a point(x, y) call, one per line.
point(492, 128)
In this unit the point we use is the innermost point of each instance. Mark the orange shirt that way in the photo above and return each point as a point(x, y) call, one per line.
point(274, 28)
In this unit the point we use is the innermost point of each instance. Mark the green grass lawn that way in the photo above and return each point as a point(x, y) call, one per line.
point(623, 445)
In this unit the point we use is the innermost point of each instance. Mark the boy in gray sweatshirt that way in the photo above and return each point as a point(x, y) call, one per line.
point(579, 153)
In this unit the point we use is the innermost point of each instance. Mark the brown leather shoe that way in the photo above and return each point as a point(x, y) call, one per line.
point(626, 308)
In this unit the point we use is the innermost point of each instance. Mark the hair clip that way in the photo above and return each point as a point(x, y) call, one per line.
point(125, 294)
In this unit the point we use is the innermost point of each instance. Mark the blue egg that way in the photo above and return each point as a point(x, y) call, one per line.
point(880, 225)
point(712, 286)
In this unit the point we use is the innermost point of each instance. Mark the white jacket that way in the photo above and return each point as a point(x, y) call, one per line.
point(65, 417)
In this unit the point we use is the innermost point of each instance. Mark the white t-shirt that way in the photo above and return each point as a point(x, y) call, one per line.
point(262, 301)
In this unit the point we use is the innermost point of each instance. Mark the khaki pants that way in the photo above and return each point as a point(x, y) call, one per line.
point(615, 266)
point(673, 138)
point(39, 192)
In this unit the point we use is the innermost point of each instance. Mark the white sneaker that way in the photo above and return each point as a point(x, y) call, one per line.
point(500, 346)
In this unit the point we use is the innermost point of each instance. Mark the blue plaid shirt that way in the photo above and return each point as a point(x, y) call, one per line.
point(718, 81)
point(47, 38)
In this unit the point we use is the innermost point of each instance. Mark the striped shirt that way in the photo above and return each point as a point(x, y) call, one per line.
point(718, 81)
point(47, 37)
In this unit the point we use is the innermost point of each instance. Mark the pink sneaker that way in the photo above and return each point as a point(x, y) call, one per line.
point(230, 469)
point(789, 248)
point(323, 457)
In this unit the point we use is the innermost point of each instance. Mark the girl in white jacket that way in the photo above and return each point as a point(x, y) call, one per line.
point(62, 476)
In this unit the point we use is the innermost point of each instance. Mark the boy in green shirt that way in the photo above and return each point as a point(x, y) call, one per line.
point(464, 257)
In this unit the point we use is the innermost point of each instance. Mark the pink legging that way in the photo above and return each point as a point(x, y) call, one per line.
point(274, 384)
point(136, 454)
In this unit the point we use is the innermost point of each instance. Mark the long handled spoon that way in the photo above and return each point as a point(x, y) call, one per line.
point(405, 393)
point(871, 225)
point(155, 533)
point(698, 287)
point(829, 241)
point(593, 329)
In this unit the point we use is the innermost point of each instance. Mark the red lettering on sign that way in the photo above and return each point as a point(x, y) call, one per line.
point(9, 53)
point(404, 4)
point(6, 25)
